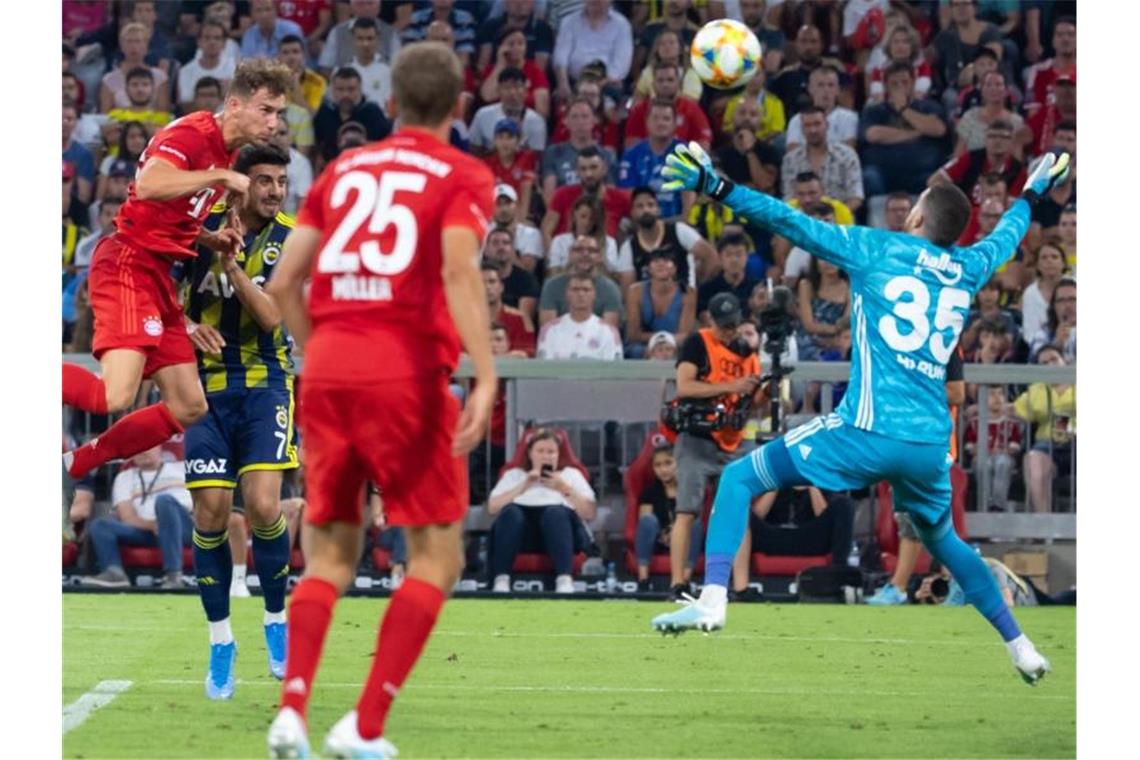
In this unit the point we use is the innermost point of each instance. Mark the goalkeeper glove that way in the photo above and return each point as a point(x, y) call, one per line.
point(690, 168)
point(1050, 171)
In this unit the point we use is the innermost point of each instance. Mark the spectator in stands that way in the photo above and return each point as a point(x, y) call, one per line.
point(347, 104)
point(225, 13)
point(897, 210)
point(509, 213)
point(955, 46)
point(108, 208)
point(579, 333)
point(375, 74)
point(985, 61)
point(1050, 263)
point(691, 123)
point(768, 110)
point(905, 137)
point(76, 310)
point(824, 300)
point(461, 22)
point(517, 14)
point(589, 219)
point(694, 257)
point(265, 33)
point(808, 190)
point(658, 304)
point(88, 129)
point(798, 261)
point(133, 40)
point(518, 328)
point(1053, 409)
point(732, 253)
point(641, 164)
point(801, 521)
point(832, 161)
point(667, 49)
point(1067, 234)
point(900, 45)
point(1042, 78)
point(511, 53)
point(1046, 214)
point(586, 260)
point(140, 96)
point(591, 169)
point(975, 124)
point(159, 51)
point(539, 506)
point(791, 84)
point(208, 63)
point(662, 347)
point(754, 14)
point(512, 94)
point(315, 18)
point(520, 288)
point(657, 506)
point(1003, 446)
point(298, 172)
point(841, 125)
point(77, 154)
point(995, 343)
point(606, 114)
point(1054, 116)
point(560, 160)
point(208, 95)
point(337, 50)
point(1061, 327)
point(674, 18)
point(513, 166)
point(987, 306)
point(308, 86)
point(595, 33)
point(153, 509)
point(747, 159)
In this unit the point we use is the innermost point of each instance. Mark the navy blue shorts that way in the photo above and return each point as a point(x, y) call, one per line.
point(243, 431)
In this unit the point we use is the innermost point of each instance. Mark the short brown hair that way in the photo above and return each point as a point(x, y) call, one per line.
point(254, 74)
point(426, 81)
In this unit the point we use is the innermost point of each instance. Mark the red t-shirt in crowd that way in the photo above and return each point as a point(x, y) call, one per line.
point(170, 227)
point(614, 201)
point(512, 320)
point(961, 167)
point(1043, 78)
point(522, 169)
point(305, 13)
point(377, 300)
point(692, 124)
point(535, 79)
point(605, 134)
point(1043, 123)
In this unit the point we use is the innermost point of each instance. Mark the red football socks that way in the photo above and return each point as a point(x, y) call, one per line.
point(136, 432)
point(310, 612)
point(407, 623)
point(83, 390)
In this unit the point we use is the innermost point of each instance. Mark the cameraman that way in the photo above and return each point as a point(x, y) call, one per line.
point(715, 368)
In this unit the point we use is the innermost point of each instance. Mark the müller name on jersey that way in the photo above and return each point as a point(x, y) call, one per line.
point(353, 287)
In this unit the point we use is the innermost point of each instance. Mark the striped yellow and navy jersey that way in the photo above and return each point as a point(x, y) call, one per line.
point(252, 357)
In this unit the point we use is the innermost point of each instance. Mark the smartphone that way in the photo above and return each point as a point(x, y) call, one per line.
point(545, 471)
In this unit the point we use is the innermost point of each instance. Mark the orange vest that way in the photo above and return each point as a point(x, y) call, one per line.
point(725, 365)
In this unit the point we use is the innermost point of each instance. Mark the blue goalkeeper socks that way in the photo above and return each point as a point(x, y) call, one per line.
point(271, 556)
point(214, 567)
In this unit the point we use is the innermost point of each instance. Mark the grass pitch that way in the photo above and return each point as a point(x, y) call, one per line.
point(588, 679)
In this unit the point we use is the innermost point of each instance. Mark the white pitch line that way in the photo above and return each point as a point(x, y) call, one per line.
point(80, 710)
point(639, 690)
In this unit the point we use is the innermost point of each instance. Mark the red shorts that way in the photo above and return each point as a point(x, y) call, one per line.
point(397, 434)
point(135, 306)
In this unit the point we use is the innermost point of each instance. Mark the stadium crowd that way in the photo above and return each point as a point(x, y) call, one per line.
point(574, 104)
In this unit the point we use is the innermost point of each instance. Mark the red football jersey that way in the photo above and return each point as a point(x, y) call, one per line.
point(376, 297)
point(192, 143)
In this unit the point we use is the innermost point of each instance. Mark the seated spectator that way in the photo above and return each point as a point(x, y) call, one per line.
point(520, 288)
point(824, 299)
point(153, 509)
point(388, 538)
point(337, 50)
point(309, 87)
point(589, 220)
point(517, 327)
point(952, 50)
point(208, 63)
point(732, 254)
point(140, 96)
point(595, 33)
point(667, 48)
point(516, 14)
point(974, 126)
point(841, 125)
point(656, 508)
point(512, 94)
point(513, 166)
point(754, 15)
point(864, 23)
point(511, 53)
point(592, 170)
point(1061, 327)
point(77, 154)
point(798, 261)
point(347, 104)
point(604, 130)
point(766, 114)
point(747, 159)
point(1041, 80)
point(900, 45)
point(264, 35)
point(88, 127)
point(225, 13)
point(641, 164)
point(315, 19)
point(541, 507)
point(298, 172)
point(808, 191)
point(585, 260)
point(1053, 117)
point(905, 138)
point(802, 521)
point(579, 333)
point(1067, 235)
point(1053, 410)
point(994, 346)
point(662, 347)
point(375, 74)
point(791, 83)
point(691, 123)
point(897, 210)
point(133, 40)
point(1050, 263)
point(832, 161)
point(510, 214)
point(987, 306)
point(695, 257)
point(159, 51)
point(991, 190)
point(673, 18)
point(560, 160)
point(208, 96)
point(76, 316)
point(72, 232)
point(658, 304)
point(1003, 446)
point(443, 11)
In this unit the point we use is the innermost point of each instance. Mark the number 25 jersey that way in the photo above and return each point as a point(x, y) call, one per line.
point(376, 298)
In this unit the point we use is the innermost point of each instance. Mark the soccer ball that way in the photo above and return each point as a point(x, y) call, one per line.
point(725, 54)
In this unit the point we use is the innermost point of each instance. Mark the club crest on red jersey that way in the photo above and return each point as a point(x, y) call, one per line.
point(152, 326)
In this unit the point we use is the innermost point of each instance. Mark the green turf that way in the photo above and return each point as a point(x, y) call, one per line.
point(588, 679)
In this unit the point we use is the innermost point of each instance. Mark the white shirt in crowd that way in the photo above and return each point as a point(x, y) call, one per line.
point(563, 338)
point(1034, 311)
point(616, 260)
point(842, 125)
point(189, 75)
point(528, 241)
point(482, 132)
point(141, 488)
point(797, 263)
point(538, 495)
point(299, 178)
point(375, 81)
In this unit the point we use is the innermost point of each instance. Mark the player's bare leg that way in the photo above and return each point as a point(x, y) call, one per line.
point(213, 565)
point(239, 544)
point(680, 537)
point(261, 495)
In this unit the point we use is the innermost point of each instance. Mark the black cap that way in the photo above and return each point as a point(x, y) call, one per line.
point(724, 308)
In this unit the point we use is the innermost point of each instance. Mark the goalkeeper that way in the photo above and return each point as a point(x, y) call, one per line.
point(910, 293)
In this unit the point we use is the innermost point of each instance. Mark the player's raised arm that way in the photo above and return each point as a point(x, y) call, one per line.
point(286, 288)
point(160, 180)
point(689, 168)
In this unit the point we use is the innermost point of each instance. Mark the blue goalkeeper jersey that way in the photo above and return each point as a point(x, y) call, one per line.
point(909, 301)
